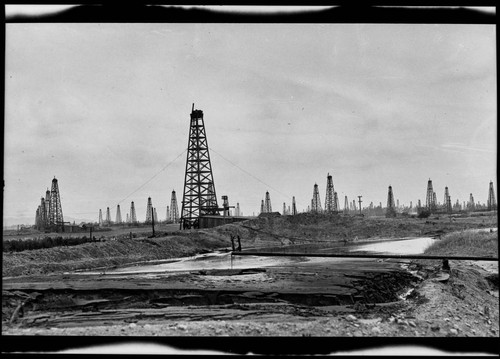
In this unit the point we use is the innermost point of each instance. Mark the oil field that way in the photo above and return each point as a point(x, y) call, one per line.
point(348, 189)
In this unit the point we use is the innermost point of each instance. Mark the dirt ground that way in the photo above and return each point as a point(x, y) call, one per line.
point(296, 300)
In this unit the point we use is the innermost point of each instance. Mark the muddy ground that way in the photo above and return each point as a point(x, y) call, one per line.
point(359, 298)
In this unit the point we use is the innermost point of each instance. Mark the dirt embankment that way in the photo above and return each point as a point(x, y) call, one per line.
point(109, 253)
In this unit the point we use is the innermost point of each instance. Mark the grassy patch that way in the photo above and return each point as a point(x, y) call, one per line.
point(466, 243)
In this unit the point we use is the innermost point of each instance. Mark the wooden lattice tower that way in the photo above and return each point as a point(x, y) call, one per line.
point(391, 211)
point(174, 208)
point(262, 208)
point(346, 205)
point(472, 204)
point(267, 204)
point(430, 203)
point(294, 207)
point(118, 215)
point(55, 211)
point(133, 216)
point(316, 201)
point(447, 200)
point(199, 197)
point(330, 205)
point(108, 216)
point(100, 218)
point(492, 204)
point(336, 201)
point(149, 211)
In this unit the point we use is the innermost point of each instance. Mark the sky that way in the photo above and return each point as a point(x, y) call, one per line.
point(105, 109)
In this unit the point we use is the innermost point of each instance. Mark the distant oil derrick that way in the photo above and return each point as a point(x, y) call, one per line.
point(225, 205)
point(128, 218)
point(391, 211)
point(55, 211)
point(168, 213)
point(262, 207)
point(118, 215)
point(354, 205)
point(149, 211)
point(47, 206)
point(471, 204)
point(330, 205)
point(267, 203)
point(294, 207)
point(492, 204)
point(284, 209)
point(316, 201)
point(237, 210)
point(101, 223)
point(44, 212)
point(447, 201)
point(199, 190)
point(108, 217)
point(397, 204)
point(174, 208)
point(346, 205)
point(336, 202)
point(457, 206)
point(133, 216)
point(359, 200)
point(430, 203)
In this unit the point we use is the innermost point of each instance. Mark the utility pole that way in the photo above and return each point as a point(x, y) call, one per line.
point(360, 203)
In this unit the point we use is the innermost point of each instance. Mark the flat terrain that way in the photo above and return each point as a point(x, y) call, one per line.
point(291, 296)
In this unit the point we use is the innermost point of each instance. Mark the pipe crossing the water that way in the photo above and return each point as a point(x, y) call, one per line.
point(376, 256)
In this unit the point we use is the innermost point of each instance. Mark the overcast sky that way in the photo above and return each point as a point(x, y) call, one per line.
point(105, 107)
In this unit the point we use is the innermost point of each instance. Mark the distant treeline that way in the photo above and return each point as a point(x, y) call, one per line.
point(19, 245)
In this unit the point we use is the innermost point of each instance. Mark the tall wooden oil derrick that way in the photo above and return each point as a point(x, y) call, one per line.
point(391, 211)
point(149, 211)
point(168, 213)
point(174, 208)
point(44, 219)
point(38, 219)
point(330, 204)
point(430, 203)
point(294, 207)
point(108, 217)
point(118, 215)
point(472, 204)
point(316, 201)
point(346, 205)
point(336, 202)
point(101, 223)
point(133, 216)
point(199, 197)
point(267, 203)
point(492, 204)
point(55, 212)
point(47, 206)
point(262, 208)
point(284, 209)
point(128, 218)
point(447, 200)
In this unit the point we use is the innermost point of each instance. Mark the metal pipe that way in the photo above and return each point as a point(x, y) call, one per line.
point(375, 256)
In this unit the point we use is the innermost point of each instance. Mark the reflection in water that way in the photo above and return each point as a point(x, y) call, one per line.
point(408, 246)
